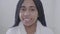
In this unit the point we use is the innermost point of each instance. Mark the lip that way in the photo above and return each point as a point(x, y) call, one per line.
point(27, 20)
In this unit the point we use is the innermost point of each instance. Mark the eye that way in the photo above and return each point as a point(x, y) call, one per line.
point(23, 9)
point(32, 9)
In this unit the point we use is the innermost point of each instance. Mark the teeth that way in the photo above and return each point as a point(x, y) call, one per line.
point(27, 19)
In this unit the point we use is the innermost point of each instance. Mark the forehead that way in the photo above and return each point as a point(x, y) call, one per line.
point(28, 3)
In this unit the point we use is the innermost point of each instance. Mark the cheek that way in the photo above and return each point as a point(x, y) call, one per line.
point(20, 16)
point(34, 16)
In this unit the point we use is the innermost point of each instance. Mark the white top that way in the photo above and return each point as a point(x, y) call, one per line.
point(21, 30)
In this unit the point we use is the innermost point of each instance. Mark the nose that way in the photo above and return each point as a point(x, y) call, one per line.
point(27, 13)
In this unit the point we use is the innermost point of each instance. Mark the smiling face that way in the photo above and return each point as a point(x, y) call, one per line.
point(28, 13)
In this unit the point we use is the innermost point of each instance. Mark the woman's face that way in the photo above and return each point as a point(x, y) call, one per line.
point(28, 13)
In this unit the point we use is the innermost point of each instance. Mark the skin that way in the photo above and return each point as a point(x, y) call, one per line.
point(28, 15)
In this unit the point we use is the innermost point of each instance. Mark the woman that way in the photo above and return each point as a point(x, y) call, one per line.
point(29, 18)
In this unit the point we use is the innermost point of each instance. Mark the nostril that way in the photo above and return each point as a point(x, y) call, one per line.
point(26, 17)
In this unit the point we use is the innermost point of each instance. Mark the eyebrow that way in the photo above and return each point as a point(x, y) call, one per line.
point(32, 6)
point(22, 6)
point(29, 6)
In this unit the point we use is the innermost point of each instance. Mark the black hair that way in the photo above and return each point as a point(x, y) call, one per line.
point(39, 7)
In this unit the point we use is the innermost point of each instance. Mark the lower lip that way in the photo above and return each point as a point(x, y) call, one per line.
point(27, 20)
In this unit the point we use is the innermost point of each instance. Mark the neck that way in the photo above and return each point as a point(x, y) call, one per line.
point(31, 29)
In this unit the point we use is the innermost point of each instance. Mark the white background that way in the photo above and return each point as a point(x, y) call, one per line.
point(51, 9)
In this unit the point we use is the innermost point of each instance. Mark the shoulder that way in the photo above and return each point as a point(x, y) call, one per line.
point(12, 30)
point(43, 29)
point(47, 30)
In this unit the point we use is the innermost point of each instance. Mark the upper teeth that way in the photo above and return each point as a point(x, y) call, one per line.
point(27, 19)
